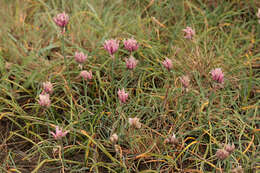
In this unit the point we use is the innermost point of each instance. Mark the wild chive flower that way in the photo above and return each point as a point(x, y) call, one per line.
point(114, 138)
point(47, 88)
point(131, 63)
point(86, 75)
point(59, 133)
point(122, 95)
point(44, 100)
point(61, 19)
point(172, 140)
point(229, 148)
point(134, 122)
point(111, 46)
point(167, 64)
point(80, 57)
point(189, 32)
point(217, 75)
point(222, 154)
point(185, 80)
point(131, 45)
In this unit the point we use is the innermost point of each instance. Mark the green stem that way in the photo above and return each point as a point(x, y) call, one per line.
point(63, 50)
point(112, 72)
point(85, 86)
point(62, 154)
point(47, 119)
point(125, 78)
point(166, 94)
point(64, 56)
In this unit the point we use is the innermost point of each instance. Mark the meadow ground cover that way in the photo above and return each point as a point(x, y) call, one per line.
point(129, 86)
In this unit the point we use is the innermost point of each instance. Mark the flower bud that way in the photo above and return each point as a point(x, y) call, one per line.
point(222, 154)
point(134, 122)
point(217, 75)
point(86, 75)
point(185, 80)
point(189, 32)
point(80, 57)
point(59, 133)
point(114, 138)
point(167, 64)
point(171, 140)
point(131, 45)
point(229, 148)
point(122, 95)
point(44, 100)
point(47, 87)
point(131, 63)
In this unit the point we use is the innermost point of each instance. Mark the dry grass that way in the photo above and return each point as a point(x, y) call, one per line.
point(203, 118)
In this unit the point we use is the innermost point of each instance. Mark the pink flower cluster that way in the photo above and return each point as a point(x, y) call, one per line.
point(111, 46)
point(217, 75)
point(131, 63)
point(80, 57)
point(122, 95)
point(134, 122)
point(189, 32)
point(44, 100)
point(44, 97)
point(114, 138)
point(47, 87)
point(185, 80)
point(131, 45)
point(167, 64)
point(61, 19)
point(172, 140)
point(59, 133)
point(86, 75)
point(225, 152)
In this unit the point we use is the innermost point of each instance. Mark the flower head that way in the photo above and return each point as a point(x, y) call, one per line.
point(222, 154)
point(185, 80)
point(167, 64)
point(134, 122)
point(86, 75)
point(111, 46)
point(80, 57)
point(189, 32)
point(131, 45)
point(229, 148)
point(44, 100)
point(114, 138)
point(59, 133)
point(172, 140)
point(61, 19)
point(47, 87)
point(122, 95)
point(131, 63)
point(217, 75)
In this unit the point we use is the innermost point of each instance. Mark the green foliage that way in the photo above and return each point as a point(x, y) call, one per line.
point(203, 117)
